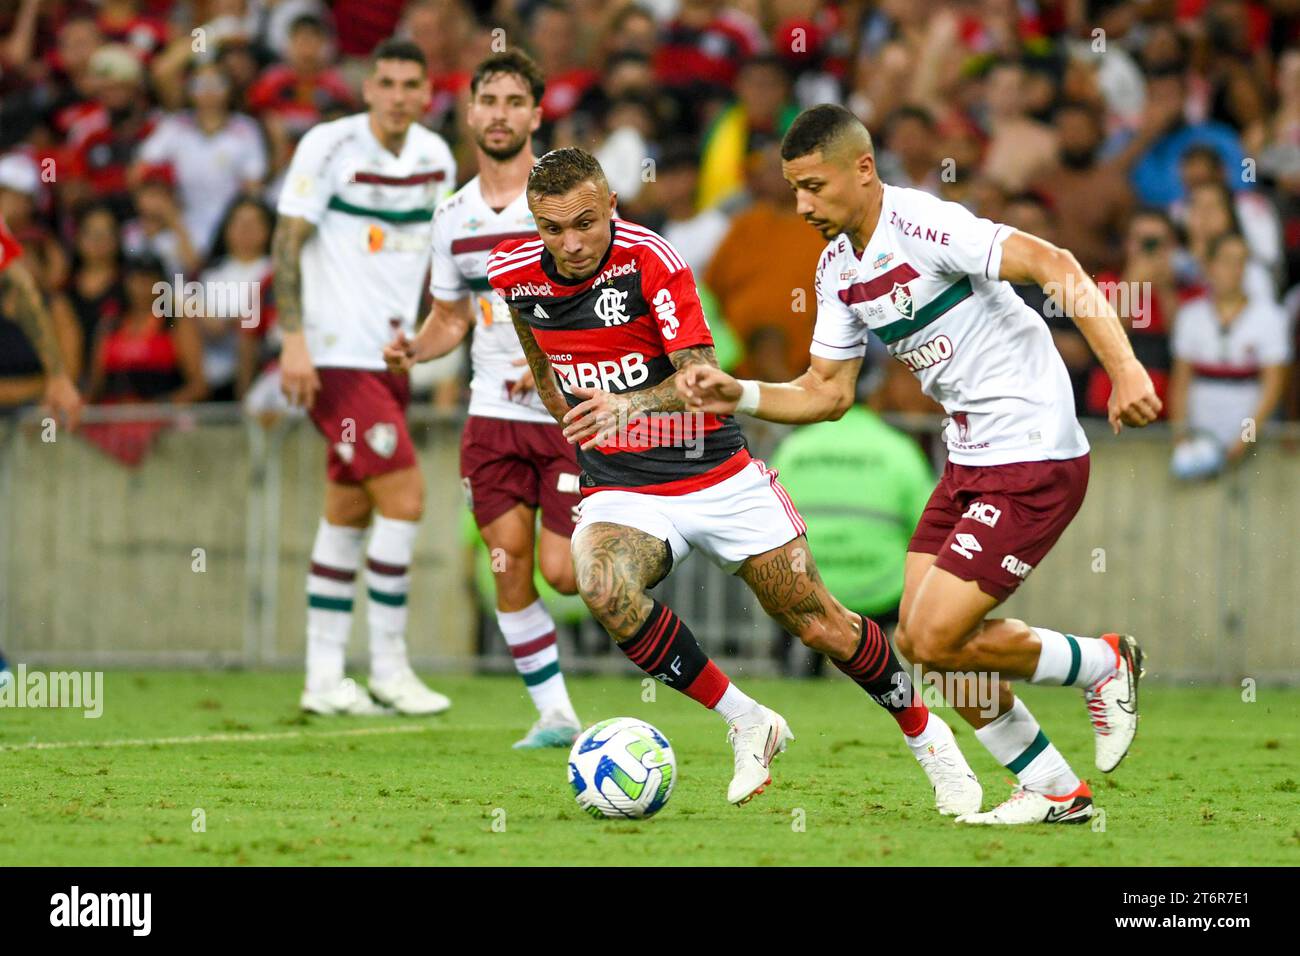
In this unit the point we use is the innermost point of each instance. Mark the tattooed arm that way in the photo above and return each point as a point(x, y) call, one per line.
point(34, 319)
point(601, 411)
point(543, 375)
point(298, 378)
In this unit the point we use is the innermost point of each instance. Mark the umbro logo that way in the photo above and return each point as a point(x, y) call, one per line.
point(966, 544)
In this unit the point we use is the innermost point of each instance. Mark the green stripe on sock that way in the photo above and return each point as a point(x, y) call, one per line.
point(383, 597)
point(322, 603)
point(1034, 749)
point(1074, 660)
point(541, 675)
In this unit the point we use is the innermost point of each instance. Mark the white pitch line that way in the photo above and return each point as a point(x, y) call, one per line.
point(215, 738)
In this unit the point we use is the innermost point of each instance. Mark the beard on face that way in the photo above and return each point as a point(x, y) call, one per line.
point(501, 153)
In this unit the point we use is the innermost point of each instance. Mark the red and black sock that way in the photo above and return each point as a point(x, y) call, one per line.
point(876, 670)
point(666, 649)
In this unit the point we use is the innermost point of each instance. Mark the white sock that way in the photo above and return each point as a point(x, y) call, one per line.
point(1072, 661)
point(388, 579)
point(1019, 744)
point(331, 587)
point(530, 635)
point(734, 703)
point(935, 731)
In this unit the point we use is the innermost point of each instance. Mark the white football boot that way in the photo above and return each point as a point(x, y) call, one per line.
point(956, 788)
point(1113, 703)
point(555, 728)
point(1026, 806)
point(757, 737)
point(345, 697)
point(407, 694)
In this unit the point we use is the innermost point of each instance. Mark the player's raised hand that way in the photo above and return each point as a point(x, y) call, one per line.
point(399, 354)
point(596, 419)
point(1133, 399)
point(707, 389)
point(298, 378)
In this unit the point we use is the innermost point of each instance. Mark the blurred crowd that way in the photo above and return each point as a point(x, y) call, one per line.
point(145, 140)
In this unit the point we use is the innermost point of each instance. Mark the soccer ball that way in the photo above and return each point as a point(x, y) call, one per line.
point(622, 767)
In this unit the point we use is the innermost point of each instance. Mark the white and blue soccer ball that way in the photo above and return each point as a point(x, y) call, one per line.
point(622, 767)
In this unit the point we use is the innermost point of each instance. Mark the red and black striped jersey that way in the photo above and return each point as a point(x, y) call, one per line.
point(615, 330)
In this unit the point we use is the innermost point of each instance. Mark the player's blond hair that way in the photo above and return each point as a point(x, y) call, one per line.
point(562, 170)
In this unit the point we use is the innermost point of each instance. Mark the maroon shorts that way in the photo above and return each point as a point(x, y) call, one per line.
point(504, 463)
point(362, 415)
point(992, 524)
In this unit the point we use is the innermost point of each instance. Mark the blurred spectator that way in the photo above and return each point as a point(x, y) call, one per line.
point(764, 287)
point(1091, 199)
point(1021, 148)
point(1146, 293)
point(703, 45)
point(158, 228)
point(1254, 212)
point(94, 295)
point(630, 126)
point(1211, 214)
point(553, 32)
point(211, 153)
point(23, 378)
point(105, 132)
point(1231, 354)
point(910, 156)
point(693, 232)
point(144, 355)
point(763, 111)
point(20, 190)
point(363, 23)
point(1166, 133)
point(123, 21)
point(442, 30)
point(292, 97)
point(234, 286)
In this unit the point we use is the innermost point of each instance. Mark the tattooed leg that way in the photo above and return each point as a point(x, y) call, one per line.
point(788, 586)
point(615, 565)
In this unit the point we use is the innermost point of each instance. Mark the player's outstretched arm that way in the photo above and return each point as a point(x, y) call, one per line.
point(445, 328)
point(298, 378)
point(824, 392)
point(1027, 258)
point(600, 413)
point(34, 319)
point(540, 366)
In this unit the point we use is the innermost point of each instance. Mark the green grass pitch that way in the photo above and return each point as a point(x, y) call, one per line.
point(1211, 780)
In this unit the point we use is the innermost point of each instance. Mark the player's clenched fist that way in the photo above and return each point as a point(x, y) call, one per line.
point(399, 354)
point(1133, 399)
point(707, 389)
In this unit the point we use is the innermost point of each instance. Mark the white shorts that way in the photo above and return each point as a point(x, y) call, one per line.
point(730, 522)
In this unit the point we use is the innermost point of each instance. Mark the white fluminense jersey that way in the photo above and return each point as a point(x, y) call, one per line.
point(465, 231)
point(373, 213)
point(927, 284)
